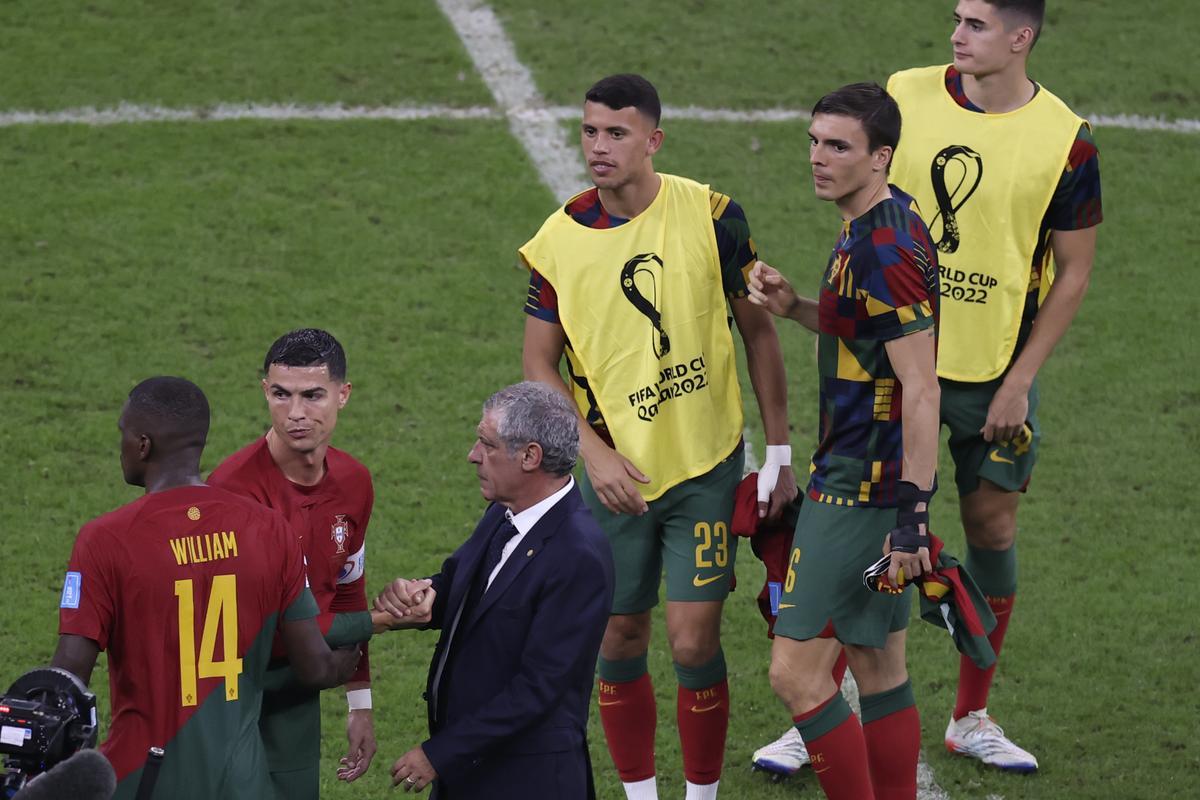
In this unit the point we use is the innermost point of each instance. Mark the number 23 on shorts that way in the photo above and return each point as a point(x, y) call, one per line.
point(712, 547)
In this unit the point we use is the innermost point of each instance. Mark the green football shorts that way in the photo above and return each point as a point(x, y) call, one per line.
point(824, 588)
point(1008, 464)
point(686, 530)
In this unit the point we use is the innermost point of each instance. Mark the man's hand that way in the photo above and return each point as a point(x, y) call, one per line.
point(784, 493)
point(408, 602)
point(906, 567)
point(612, 476)
point(360, 733)
point(769, 289)
point(776, 482)
point(1007, 411)
point(413, 771)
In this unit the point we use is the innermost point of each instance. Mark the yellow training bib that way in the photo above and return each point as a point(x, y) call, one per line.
point(643, 308)
point(983, 183)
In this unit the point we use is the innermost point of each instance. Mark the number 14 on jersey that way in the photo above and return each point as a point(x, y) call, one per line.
point(221, 613)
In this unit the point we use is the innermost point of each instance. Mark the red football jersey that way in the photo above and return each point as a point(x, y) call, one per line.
point(330, 519)
point(179, 587)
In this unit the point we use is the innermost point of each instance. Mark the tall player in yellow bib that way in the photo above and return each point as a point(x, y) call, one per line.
point(1007, 178)
point(630, 280)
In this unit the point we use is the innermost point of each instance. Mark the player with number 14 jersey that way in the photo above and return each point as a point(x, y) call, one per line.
point(206, 576)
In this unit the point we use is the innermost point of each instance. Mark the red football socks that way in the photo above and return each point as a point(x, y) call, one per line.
point(703, 717)
point(838, 750)
point(839, 669)
point(893, 746)
point(628, 714)
point(974, 683)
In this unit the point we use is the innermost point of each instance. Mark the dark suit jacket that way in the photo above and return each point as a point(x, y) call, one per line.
point(508, 716)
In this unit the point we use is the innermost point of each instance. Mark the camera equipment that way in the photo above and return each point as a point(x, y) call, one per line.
point(45, 716)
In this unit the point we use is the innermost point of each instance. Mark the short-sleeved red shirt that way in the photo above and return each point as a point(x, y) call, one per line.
point(197, 558)
point(330, 518)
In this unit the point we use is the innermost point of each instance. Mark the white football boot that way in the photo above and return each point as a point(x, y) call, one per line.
point(784, 756)
point(977, 736)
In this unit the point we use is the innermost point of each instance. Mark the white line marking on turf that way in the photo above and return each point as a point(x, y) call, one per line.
point(927, 788)
point(131, 113)
point(126, 113)
point(511, 83)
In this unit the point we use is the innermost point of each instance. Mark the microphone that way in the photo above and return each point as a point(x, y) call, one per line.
point(87, 775)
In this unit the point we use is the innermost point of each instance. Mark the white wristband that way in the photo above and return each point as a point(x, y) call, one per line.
point(779, 455)
point(359, 699)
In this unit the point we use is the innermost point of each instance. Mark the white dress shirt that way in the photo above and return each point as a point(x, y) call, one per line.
point(524, 523)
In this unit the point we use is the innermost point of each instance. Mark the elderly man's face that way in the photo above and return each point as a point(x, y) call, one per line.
point(500, 472)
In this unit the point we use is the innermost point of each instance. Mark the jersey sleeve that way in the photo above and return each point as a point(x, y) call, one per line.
point(88, 605)
point(303, 607)
point(735, 248)
point(1076, 202)
point(894, 285)
point(541, 301)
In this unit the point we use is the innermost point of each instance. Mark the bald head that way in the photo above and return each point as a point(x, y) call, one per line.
point(164, 422)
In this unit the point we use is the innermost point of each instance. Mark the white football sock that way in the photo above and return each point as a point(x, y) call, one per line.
point(706, 792)
point(642, 790)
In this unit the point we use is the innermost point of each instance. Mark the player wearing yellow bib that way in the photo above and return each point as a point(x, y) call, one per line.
point(983, 153)
point(634, 281)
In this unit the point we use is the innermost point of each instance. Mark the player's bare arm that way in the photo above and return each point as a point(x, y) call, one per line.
point(769, 289)
point(314, 663)
point(360, 736)
point(611, 474)
point(77, 655)
point(913, 359)
point(764, 362)
point(1074, 252)
point(361, 746)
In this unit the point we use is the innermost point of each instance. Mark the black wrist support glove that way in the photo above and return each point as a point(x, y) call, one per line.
point(906, 537)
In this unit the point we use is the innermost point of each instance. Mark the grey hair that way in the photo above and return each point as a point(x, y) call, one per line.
point(533, 412)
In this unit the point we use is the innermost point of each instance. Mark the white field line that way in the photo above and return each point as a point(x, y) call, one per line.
point(511, 83)
point(128, 113)
point(131, 113)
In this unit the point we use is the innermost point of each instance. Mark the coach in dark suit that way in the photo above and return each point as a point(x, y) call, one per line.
point(522, 606)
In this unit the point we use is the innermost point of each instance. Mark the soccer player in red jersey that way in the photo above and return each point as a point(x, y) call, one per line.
point(327, 497)
point(185, 589)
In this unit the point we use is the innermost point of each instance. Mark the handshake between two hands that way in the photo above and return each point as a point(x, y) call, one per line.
point(403, 603)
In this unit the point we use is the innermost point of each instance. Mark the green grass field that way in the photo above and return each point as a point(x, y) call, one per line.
point(186, 248)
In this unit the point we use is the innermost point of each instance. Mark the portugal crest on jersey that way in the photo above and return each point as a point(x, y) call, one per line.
point(340, 532)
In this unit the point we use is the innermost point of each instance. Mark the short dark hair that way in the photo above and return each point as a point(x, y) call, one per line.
point(308, 347)
point(624, 90)
point(169, 406)
point(870, 104)
point(1031, 11)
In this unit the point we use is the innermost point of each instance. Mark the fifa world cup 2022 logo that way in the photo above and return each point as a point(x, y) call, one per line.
point(642, 283)
point(955, 172)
